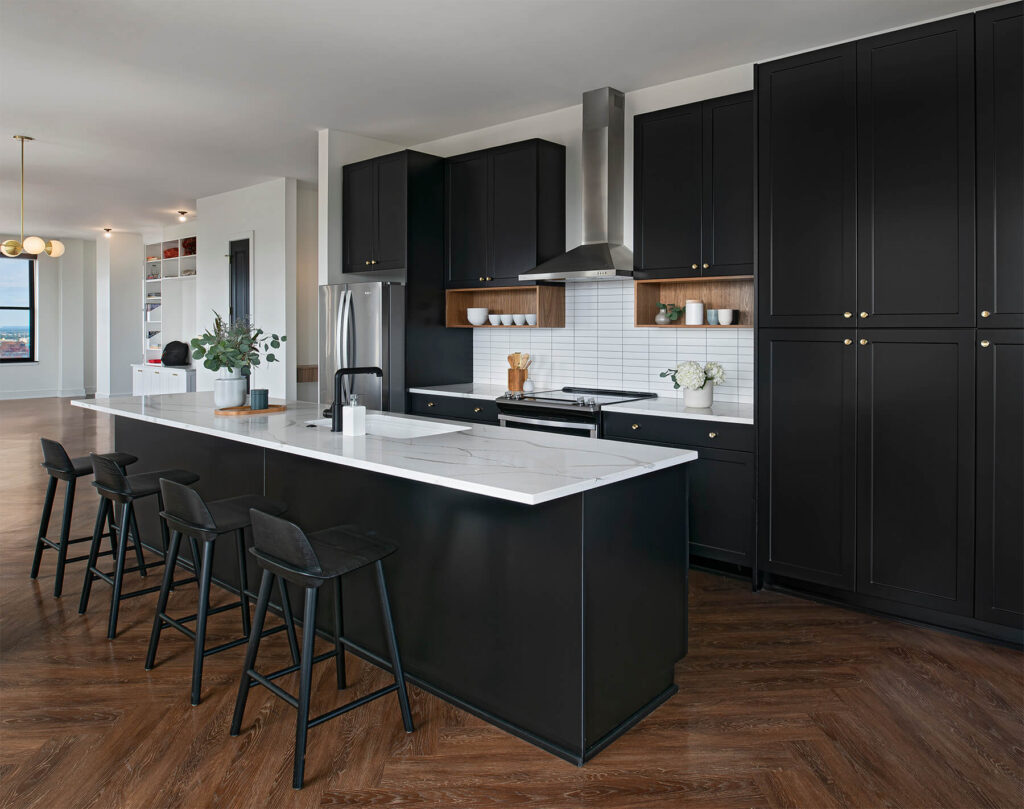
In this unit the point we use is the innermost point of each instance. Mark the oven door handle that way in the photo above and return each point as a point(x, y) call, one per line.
point(569, 425)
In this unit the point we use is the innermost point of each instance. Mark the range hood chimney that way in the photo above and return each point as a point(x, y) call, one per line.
point(602, 254)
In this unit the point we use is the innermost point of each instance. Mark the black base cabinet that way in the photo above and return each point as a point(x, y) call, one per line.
point(454, 407)
point(721, 480)
point(999, 549)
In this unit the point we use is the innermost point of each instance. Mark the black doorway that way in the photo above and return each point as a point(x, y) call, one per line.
point(239, 295)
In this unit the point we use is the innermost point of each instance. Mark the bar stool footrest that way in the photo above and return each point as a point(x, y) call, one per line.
point(351, 705)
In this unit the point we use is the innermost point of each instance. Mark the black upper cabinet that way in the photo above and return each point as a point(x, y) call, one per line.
point(693, 189)
point(915, 465)
point(1000, 132)
point(807, 454)
point(807, 125)
point(374, 214)
point(915, 108)
point(999, 550)
point(504, 212)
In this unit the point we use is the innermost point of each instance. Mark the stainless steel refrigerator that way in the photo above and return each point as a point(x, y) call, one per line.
point(363, 324)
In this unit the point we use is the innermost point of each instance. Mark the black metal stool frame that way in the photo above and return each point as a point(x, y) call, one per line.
point(276, 569)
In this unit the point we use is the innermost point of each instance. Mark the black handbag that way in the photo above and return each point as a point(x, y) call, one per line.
point(175, 353)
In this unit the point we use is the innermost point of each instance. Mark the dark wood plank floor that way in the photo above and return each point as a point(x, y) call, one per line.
point(782, 703)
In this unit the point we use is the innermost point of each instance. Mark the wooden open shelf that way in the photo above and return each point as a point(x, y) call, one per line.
point(547, 301)
point(718, 292)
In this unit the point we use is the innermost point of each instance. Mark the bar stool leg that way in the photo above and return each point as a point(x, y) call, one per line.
point(396, 663)
point(112, 531)
point(305, 683)
point(122, 552)
point(262, 600)
point(65, 537)
point(44, 525)
point(204, 611)
point(161, 604)
point(289, 620)
point(138, 542)
point(164, 533)
point(339, 633)
point(243, 579)
point(102, 515)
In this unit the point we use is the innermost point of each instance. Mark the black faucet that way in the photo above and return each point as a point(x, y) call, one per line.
point(339, 376)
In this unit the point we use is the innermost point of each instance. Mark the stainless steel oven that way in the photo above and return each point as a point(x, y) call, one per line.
point(570, 411)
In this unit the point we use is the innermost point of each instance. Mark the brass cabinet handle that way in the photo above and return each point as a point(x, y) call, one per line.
point(863, 314)
point(693, 266)
point(847, 314)
point(706, 266)
point(863, 342)
point(847, 341)
point(477, 409)
point(481, 278)
point(430, 404)
point(985, 313)
point(367, 261)
point(712, 435)
point(139, 371)
point(635, 427)
point(489, 278)
point(373, 261)
point(985, 344)
point(156, 372)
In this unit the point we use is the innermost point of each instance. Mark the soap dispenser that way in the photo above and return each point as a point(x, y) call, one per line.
point(353, 417)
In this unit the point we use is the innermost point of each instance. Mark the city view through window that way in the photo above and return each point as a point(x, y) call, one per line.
point(17, 292)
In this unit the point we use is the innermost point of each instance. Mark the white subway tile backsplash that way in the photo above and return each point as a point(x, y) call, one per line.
point(600, 347)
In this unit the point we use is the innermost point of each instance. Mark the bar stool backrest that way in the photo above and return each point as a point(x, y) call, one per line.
point(110, 480)
point(55, 456)
point(285, 541)
point(186, 506)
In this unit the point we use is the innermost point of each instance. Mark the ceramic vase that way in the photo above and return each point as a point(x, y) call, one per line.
point(662, 318)
point(229, 388)
point(699, 398)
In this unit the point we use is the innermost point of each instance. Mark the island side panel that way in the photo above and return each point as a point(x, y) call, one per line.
point(635, 596)
point(486, 592)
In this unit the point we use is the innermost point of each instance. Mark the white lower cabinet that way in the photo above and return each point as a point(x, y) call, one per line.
point(153, 380)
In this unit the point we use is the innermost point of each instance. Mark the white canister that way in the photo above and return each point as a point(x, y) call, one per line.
point(694, 313)
point(229, 388)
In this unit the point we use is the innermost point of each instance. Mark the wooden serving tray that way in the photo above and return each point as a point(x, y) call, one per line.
point(245, 410)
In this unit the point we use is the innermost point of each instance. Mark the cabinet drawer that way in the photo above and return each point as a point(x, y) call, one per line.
point(682, 432)
point(454, 407)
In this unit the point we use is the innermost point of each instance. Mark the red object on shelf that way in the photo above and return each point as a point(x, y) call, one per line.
point(154, 362)
point(171, 252)
point(188, 246)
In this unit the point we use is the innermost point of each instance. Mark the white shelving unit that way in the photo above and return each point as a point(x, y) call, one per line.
point(169, 294)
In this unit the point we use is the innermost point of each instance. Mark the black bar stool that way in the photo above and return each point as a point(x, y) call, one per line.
point(61, 467)
point(188, 515)
point(284, 551)
point(115, 487)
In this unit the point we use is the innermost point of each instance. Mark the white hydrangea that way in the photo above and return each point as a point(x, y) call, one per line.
point(693, 376)
point(715, 372)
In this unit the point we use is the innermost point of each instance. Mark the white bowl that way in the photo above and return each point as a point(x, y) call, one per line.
point(506, 320)
point(477, 316)
point(519, 320)
point(531, 320)
point(495, 319)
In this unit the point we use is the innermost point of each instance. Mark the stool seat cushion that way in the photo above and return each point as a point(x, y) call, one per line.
point(147, 483)
point(83, 465)
point(342, 549)
point(232, 513)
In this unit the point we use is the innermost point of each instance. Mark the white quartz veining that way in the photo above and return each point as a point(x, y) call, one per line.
point(524, 467)
point(464, 390)
point(734, 412)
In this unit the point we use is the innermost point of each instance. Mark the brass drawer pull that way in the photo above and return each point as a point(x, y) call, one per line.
point(863, 314)
point(847, 341)
point(863, 342)
point(477, 409)
point(985, 313)
point(985, 343)
point(712, 435)
point(430, 404)
point(635, 427)
point(847, 314)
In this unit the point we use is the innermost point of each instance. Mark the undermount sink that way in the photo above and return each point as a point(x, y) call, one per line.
point(397, 426)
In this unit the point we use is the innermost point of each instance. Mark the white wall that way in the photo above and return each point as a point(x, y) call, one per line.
point(89, 316)
point(306, 285)
point(267, 212)
point(65, 330)
point(119, 273)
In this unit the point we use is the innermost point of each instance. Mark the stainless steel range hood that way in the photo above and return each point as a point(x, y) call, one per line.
point(602, 254)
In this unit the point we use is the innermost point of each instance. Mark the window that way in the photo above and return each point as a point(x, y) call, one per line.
point(17, 310)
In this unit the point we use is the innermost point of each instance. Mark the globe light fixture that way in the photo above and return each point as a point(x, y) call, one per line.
point(182, 216)
point(106, 233)
point(33, 245)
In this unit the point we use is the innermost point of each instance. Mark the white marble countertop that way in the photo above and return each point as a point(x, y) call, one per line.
point(672, 407)
point(463, 390)
point(517, 465)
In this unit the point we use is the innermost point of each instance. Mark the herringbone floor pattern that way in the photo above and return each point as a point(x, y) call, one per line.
point(782, 703)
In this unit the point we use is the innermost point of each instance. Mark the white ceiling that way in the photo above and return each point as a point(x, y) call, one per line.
point(141, 106)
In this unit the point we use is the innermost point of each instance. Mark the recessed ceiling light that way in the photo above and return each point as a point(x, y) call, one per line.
point(182, 216)
point(106, 232)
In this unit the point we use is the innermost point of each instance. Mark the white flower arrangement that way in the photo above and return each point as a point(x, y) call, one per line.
point(694, 376)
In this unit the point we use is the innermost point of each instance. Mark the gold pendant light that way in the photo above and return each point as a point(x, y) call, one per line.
point(33, 244)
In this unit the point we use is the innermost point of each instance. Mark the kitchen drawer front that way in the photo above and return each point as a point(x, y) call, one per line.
point(681, 432)
point(454, 407)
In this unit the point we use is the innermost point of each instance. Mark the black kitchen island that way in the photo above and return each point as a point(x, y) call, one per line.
point(540, 581)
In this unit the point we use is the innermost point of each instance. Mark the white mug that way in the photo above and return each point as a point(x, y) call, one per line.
point(725, 317)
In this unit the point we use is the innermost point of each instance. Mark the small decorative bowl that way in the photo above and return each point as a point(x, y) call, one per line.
point(477, 316)
point(495, 319)
point(531, 320)
point(519, 320)
point(506, 320)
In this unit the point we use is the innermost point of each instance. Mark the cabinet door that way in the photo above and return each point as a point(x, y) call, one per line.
point(138, 381)
point(999, 565)
point(357, 216)
point(1000, 41)
point(915, 119)
point(389, 209)
point(667, 196)
point(722, 506)
point(727, 215)
point(151, 382)
point(915, 462)
point(514, 213)
point(807, 125)
point(807, 446)
point(466, 221)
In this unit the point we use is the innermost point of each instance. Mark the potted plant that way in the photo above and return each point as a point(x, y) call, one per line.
point(667, 313)
point(235, 348)
point(698, 381)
